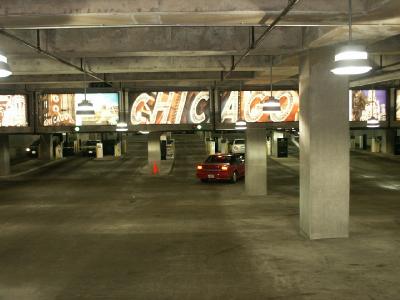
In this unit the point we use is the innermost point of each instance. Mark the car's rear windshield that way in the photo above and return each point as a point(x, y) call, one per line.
point(221, 159)
point(239, 142)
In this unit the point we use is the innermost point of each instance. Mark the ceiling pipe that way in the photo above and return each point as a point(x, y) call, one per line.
point(257, 42)
point(52, 56)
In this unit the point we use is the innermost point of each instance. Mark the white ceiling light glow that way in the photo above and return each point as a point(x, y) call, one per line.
point(373, 123)
point(241, 125)
point(351, 59)
point(122, 127)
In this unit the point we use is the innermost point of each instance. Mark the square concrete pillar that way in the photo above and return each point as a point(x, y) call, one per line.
point(390, 139)
point(324, 148)
point(46, 151)
point(4, 155)
point(256, 161)
point(154, 150)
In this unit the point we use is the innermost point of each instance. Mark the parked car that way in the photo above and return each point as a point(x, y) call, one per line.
point(33, 149)
point(221, 167)
point(88, 148)
point(239, 146)
point(68, 149)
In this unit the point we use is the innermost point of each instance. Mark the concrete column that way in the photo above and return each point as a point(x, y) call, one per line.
point(275, 136)
point(256, 161)
point(46, 151)
point(124, 144)
point(324, 148)
point(375, 145)
point(4, 155)
point(153, 149)
point(390, 138)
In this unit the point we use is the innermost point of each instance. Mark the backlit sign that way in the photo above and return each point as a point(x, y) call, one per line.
point(365, 104)
point(61, 109)
point(247, 106)
point(13, 111)
point(182, 107)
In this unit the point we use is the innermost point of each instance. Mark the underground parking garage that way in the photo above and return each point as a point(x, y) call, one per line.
point(199, 150)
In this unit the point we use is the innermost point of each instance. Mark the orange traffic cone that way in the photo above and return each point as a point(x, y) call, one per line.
point(155, 169)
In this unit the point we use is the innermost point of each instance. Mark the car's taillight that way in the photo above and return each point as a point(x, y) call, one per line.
point(224, 168)
point(199, 167)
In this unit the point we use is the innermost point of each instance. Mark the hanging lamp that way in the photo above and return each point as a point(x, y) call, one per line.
point(4, 66)
point(240, 124)
point(272, 104)
point(351, 59)
point(122, 127)
point(372, 122)
point(85, 108)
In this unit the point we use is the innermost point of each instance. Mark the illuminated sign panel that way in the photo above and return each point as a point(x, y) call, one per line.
point(61, 109)
point(183, 107)
point(398, 105)
point(247, 106)
point(365, 104)
point(13, 111)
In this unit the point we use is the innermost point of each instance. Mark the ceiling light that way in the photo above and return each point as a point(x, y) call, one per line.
point(351, 59)
point(272, 104)
point(85, 108)
point(122, 127)
point(4, 67)
point(240, 127)
point(240, 123)
point(373, 123)
point(350, 52)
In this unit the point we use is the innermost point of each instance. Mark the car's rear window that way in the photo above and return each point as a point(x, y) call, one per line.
point(221, 159)
point(239, 142)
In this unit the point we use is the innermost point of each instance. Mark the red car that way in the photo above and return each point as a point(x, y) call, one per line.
point(221, 167)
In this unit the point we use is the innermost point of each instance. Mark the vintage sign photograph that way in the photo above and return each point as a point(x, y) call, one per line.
point(74, 109)
point(248, 106)
point(365, 104)
point(183, 107)
point(398, 105)
point(13, 111)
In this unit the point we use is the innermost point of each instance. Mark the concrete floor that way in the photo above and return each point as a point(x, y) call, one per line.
point(89, 229)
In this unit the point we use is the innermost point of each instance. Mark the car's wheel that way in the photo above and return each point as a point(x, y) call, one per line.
point(234, 177)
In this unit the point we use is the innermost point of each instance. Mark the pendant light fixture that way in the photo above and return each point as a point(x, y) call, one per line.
point(351, 59)
point(240, 124)
point(372, 122)
point(272, 104)
point(122, 127)
point(4, 67)
point(85, 108)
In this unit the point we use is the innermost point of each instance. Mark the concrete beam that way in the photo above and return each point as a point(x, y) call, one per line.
point(374, 79)
point(279, 74)
point(75, 13)
point(154, 41)
point(128, 77)
point(37, 66)
point(315, 37)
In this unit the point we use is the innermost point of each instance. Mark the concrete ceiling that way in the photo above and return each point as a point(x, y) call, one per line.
point(173, 42)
